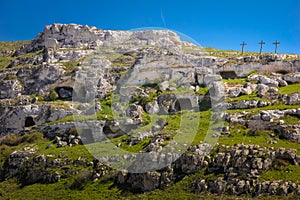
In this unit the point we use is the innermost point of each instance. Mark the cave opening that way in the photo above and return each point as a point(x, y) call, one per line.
point(64, 93)
point(29, 121)
point(228, 74)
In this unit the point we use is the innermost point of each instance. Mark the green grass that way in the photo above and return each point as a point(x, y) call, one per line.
point(228, 53)
point(69, 66)
point(4, 61)
point(290, 89)
point(290, 120)
point(61, 190)
point(248, 97)
point(10, 143)
point(10, 46)
point(203, 90)
point(133, 148)
point(286, 173)
point(269, 107)
point(106, 189)
point(233, 82)
point(241, 135)
point(72, 153)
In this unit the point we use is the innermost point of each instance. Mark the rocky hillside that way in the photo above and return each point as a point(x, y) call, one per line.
point(91, 113)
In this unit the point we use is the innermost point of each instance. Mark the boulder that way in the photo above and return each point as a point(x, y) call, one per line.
point(134, 111)
point(267, 81)
point(262, 90)
point(164, 85)
point(152, 107)
point(292, 77)
point(291, 99)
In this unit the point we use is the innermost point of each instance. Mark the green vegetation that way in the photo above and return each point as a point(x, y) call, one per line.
point(248, 97)
point(251, 72)
point(106, 189)
point(285, 171)
point(69, 66)
point(203, 90)
point(4, 61)
point(292, 58)
point(270, 107)
point(80, 186)
point(10, 76)
point(241, 135)
point(290, 89)
point(227, 53)
point(11, 46)
point(52, 95)
point(7, 51)
point(10, 143)
point(291, 120)
point(123, 141)
point(187, 126)
point(233, 82)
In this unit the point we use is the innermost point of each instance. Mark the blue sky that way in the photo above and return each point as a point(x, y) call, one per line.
point(221, 24)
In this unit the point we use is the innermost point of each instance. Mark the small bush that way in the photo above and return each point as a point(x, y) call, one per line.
point(203, 90)
point(52, 95)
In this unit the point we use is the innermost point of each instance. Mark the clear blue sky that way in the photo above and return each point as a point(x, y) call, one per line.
point(222, 24)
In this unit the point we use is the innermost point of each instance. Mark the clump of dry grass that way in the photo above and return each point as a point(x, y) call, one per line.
point(269, 69)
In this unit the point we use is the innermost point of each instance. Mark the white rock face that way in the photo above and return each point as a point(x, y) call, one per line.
point(10, 88)
point(267, 81)
point(79, 36)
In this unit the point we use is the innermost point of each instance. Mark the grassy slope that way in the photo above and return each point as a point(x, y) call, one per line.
point(290, 89)
point(5, 51)
point(105, 189)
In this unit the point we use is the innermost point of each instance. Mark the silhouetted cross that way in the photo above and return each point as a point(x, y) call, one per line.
point(243, 44)
point(261, 45)
point(276, 45)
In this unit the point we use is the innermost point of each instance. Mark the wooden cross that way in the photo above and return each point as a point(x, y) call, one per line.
point(261, 45)
point(276, 45)
point(243, 44)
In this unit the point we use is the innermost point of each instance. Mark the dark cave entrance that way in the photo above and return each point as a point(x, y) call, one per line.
point(29, 121)
point(64, 93)
point(228, 74)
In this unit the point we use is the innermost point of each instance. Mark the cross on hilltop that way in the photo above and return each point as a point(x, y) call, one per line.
point(276, 45)
point(243, 44)
point(261, 45)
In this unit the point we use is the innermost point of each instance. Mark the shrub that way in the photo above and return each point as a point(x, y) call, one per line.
point(52, 95)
